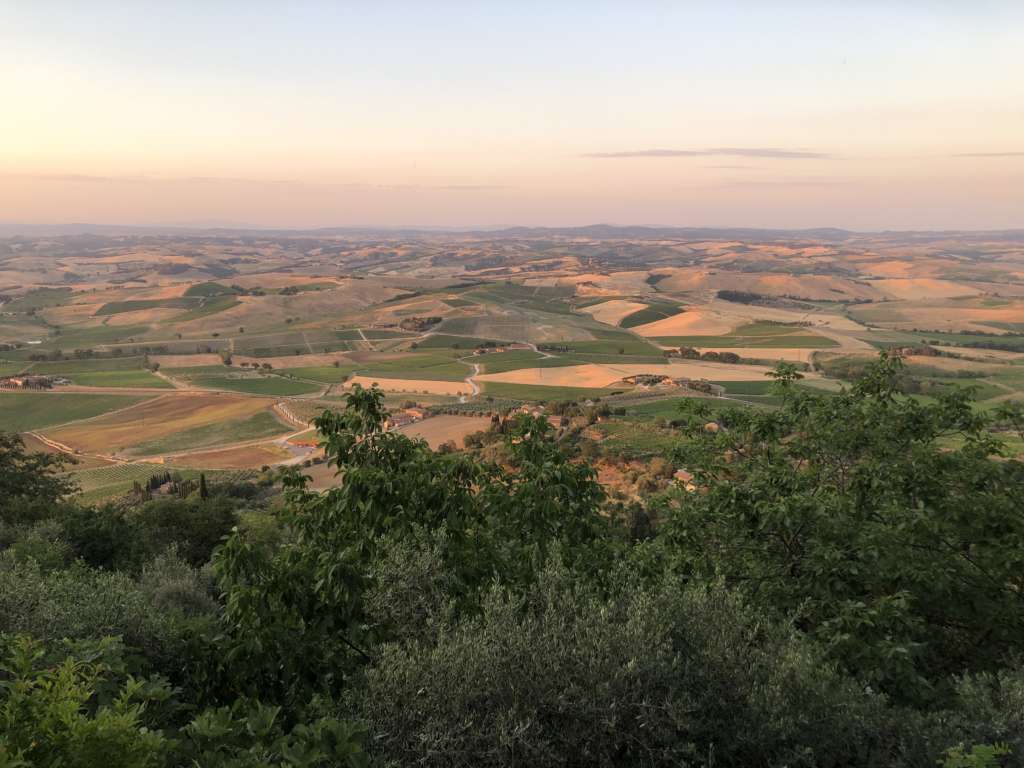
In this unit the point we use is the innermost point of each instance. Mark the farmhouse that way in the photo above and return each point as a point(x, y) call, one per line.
point(396, 420)
point(404, 417)
point(30, 382)
point(700, 385)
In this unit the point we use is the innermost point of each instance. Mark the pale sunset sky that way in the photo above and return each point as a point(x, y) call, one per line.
point(857, 114)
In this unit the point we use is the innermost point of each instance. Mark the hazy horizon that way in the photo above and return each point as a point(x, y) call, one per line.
point(798, 115)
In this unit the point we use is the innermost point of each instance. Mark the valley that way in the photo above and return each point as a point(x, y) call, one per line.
point(211, 351)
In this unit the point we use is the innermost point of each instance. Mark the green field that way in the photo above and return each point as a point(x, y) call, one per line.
point(255, 385)
point(89, 365)
point(762, 334)
point(604, 359)
point(440, 340)
point(326, 374)
point(39, 299)
point(120, 379)
point(117, 307)
point(514, 360)
point(102, 483)
point(637, 439)
point(255, 427)
point(24, 411)
point(747, 387)
point(1009, 343)
point(532, 298)
point(623, 345)
point(10, 367)
point(541, 393)
point(208, 307)
point(299, 349)
point(435, 365)
point(206, 290)
point(795, 341)
point(652, 313)
point(75, 337)
point(384, 333)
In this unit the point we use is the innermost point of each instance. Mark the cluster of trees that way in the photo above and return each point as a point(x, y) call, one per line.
point(417, 323)
point(844, 585)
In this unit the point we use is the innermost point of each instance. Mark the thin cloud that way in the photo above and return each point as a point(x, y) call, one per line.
point(769, 152)
point(990, 154)
point(650, 153)
point(781, 183)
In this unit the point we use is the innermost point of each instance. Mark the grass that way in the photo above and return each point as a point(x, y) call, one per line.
point(208, 307)
point(133, 305)
point(588, 357)
point(767, 328)
point(747, 387)
point(761, 334)
point(75, 337)
point(348, 334)
point(38, 299)
point(89, 365)
point(441, 340)
point(325, 374)
point(533, 298)
point(206, 290)
point(435, 365)
point(517, 359)
point(197, 370)
point(449, 372)
point(667, 408)
point(24, 411)
point(300, 348)
point(542, 393)
point(465, 326)
point(10, 367)
point(255, 427)
point(623, 345)
point(766, 342)
point(252, 385)
point(652, 313)
point(458, 303)
point(120, 379)
point(633, 439)
point(385, 333)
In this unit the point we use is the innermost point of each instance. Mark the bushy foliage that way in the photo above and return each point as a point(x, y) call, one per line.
point(30, 484)
point(298, 609)
point(840, 586)
point(78, 706)
point(125, 537)
point(886, 528)
point(81, 711)
point(658, 675)
point(81, 603)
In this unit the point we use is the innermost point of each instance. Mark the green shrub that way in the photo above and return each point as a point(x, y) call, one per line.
point(648, 676)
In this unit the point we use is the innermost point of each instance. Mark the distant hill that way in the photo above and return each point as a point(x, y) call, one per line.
point(593, 231)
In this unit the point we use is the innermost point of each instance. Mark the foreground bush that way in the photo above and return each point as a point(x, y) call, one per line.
point(644, 677)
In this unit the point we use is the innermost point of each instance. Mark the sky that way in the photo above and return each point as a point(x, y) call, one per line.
point(864, 115)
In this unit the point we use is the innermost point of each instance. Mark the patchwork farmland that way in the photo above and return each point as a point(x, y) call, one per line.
point(214, 364)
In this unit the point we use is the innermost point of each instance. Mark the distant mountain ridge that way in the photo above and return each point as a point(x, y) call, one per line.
point(593, 231)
